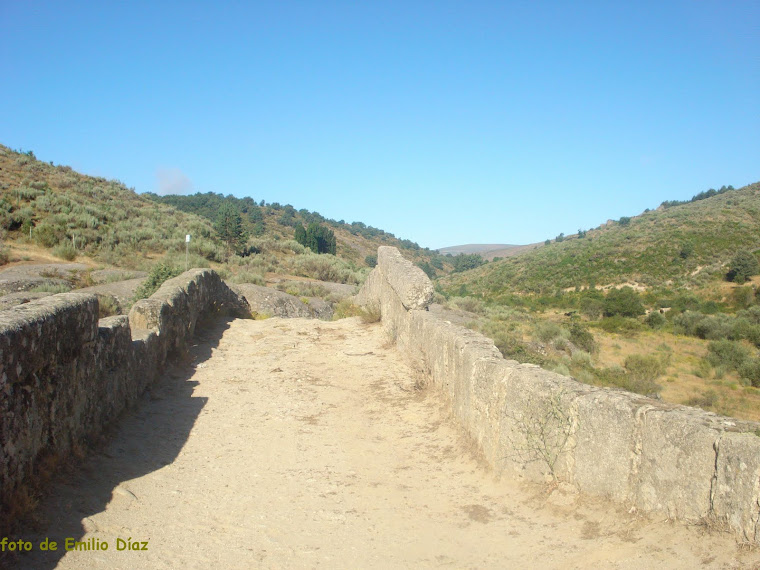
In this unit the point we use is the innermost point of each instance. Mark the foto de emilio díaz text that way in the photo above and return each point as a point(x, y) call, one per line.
point(68, 544)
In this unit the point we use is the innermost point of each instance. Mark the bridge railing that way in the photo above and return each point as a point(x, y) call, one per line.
point(651, 456)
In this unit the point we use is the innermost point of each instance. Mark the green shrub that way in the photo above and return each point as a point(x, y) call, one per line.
point(752, 314)
point(547, 331)
point(644, 368)
point(729, 353)
point(427, 268)
point(108, 306)
point(48, 235)
point(742, 328)
point(624, 302)
point(684, 302)
point(707, 399)
point(511, 345)
point(65, 251)
point(371, 261)
point(655, 320)
point(750, 370)
point(560, 369)
point(686, 322)
point(622, 325)
point(591, 307)
point(157, 275)
point(742, 266)
point(582, 338)
point(742, 297)
point(346, 308)
point(715, 327)
point(466, 261)
point(639, 375)
point(581, 358)
point(326, 267)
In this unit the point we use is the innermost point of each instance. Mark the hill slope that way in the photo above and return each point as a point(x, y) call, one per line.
point(355, 240)
point(686, 244)
point(481, 248)
point(100, 218)
point(74, 214)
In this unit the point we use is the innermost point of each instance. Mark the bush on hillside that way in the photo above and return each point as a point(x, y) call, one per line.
point(743, 266)
point(326, 267)
point(655, 320)
point(643, 372)
point(316, 237)
point(727, 353)
point(592, 305)
point(65, 251)
point(158, 274)
point(465, 261)
point(582, 338)
point(547, 331)
point(624, 302)
point(750, 370)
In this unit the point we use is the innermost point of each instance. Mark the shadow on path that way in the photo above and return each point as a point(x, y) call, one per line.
point(144, 439)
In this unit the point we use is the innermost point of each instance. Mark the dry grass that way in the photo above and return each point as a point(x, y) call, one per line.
point(370, 314)
point(680, 383)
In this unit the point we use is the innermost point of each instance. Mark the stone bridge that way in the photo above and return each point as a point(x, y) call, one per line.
point(295, 443)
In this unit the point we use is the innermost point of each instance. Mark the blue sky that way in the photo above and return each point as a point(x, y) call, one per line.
point(442, 122)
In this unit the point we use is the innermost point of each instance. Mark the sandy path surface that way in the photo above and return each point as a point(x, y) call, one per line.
point(303, 444)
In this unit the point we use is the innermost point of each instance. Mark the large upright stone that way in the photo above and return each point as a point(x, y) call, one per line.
point(414, 289)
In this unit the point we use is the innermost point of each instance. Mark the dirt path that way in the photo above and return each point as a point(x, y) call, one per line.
point(302, 444)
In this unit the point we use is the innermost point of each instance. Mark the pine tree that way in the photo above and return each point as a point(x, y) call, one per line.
point(300, 236)
point(743, 266)
point(229, 226)
point(319, 239)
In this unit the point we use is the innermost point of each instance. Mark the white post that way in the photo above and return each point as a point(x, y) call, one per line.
point(187, 249)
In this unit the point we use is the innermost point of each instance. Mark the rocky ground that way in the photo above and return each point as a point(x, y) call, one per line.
point(25, 277)
point(302, 444)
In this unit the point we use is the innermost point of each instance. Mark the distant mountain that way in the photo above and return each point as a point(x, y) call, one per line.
point(480, 248)
point(681, 244)
point(490, 251)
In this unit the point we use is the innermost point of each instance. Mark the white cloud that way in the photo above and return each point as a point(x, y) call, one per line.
point(173, 181)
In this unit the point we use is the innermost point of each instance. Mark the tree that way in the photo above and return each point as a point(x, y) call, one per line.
point(743, 266)
point(229, 226)
point(560, 238)
point(371, 260)
point(300, 235)
point(624, 302)
point(465, 261)
point(318, 238)
point(427, 268)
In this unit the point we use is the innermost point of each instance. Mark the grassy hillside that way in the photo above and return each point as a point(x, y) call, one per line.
point(683, 245)
point(72, 215)
point(680, 330)
point(355, 240)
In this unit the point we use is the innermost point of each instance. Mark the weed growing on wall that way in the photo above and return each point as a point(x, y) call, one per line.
point(545, 431)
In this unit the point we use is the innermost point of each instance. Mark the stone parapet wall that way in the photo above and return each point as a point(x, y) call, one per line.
point(648, 455)
point(64, 374)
